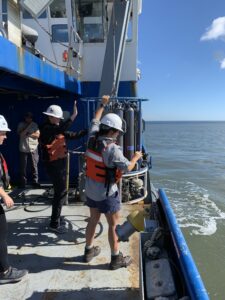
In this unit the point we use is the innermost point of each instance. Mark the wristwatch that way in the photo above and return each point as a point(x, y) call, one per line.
point(103, 105)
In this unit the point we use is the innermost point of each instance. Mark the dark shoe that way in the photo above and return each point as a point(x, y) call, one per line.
point(12, 275)
point(59, 229)
point(36, 185)
point(119, 261)
point(89, 254)
point(62, 221)
point(21, 186)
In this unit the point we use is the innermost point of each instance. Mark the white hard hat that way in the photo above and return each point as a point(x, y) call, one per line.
point(3, 124)
point(54, 111)
point(113, 121)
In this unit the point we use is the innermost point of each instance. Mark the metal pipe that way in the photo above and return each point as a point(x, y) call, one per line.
point(139, 135)
point(0, 13)
point(135, 173)
point(119, 111)
point(67, 177)
point(129, 135)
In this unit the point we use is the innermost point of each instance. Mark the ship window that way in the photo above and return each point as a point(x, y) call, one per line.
point(58, 9)
point(4, 10)
point(90, 16)
point(92, 30)
point(129, 31)
point(27, 15)
point(60, 33)
point(4, 6)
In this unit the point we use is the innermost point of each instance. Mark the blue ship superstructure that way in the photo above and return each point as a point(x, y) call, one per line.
point(55, 51)
point(29, 84)
point(60, 54)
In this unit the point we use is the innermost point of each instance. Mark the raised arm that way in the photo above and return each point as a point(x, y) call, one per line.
point(23, 130)
point(99, 111)
point(135, 158)
point(75, 112)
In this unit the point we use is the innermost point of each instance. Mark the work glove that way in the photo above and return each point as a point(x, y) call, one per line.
point(81, 133)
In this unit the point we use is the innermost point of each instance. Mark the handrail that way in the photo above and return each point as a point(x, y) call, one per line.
point(75, 40)
point(135, 99)
point(192, 277)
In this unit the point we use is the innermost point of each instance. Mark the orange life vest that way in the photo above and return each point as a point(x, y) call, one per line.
point(57, 149)
point(95, 166)
point(5, 175)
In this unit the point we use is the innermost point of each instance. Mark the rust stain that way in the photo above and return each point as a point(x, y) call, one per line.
point(133, 246)
point(82, 274)
point(49, 295)
point(134, 268)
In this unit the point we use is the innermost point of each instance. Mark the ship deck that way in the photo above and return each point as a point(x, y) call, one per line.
point(56, 270)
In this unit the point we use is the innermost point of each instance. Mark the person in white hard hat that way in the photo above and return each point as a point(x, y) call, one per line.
point(7, 273)
point(53, 135)
point(105, 165)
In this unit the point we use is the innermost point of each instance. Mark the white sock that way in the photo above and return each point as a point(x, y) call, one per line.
point(88, 247)
point(115, 253)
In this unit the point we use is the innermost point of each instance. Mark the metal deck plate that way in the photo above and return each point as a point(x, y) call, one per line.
point(56, 270)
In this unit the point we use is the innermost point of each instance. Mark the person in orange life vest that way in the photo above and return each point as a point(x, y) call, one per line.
point(53, 135)
point(7, 273)
point(105, 165)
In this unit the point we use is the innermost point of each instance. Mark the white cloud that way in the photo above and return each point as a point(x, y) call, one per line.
point(222, 64)
point(139, 62)
point(215, 31)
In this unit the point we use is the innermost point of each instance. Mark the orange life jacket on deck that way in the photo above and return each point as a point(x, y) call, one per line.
point(95, 166)
point(57, 149)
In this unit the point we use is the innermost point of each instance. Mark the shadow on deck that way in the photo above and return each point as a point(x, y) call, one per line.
point(55, 262)
point(87, 294)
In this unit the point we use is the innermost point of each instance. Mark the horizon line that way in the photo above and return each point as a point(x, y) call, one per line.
point(184, 120)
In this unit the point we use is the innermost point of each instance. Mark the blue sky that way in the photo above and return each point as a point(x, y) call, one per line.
point(182, 59)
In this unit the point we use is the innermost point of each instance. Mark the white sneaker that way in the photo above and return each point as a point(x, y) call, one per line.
point(59, 229)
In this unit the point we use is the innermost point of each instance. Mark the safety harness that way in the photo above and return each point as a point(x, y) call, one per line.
point(57, 149)
point(95, 166)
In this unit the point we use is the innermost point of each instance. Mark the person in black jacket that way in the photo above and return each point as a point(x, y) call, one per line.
point(7, 273)
point(53, 135)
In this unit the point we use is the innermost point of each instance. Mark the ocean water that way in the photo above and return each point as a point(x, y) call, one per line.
point(189, 164)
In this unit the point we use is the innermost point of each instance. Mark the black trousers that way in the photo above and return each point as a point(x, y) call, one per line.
point(57, 173)
point(4, 264)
